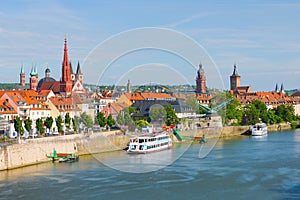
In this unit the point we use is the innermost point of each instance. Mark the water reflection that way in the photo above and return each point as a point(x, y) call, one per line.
point(141, 163)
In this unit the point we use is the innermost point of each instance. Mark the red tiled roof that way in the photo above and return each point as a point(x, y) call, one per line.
point(6, 108)
point(52, 85)
point(149, 95)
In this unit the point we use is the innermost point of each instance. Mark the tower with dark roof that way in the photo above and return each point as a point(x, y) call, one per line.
point(73, 75)
point(200, 81)
point(128, 87)
point(235, 79)
point(22, 76)
point(79, 75)
point(33, 80)
point(276, 88)
point(281, 89)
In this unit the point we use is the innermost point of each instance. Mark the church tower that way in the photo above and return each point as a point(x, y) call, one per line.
point(79, 75)
point(200, 81)
point(22, 76)
point(66, 82)
point(128, 87)
point(72, 73)
point(33, 80)
point(235, 79)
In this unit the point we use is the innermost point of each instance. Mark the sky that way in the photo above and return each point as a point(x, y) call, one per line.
point(118, 40)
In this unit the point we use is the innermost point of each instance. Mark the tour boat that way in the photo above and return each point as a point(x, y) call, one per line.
point(149, 143)
point(259, 129)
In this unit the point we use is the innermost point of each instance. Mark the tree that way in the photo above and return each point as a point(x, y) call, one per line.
point(58, 121)
point(101, 119)
point(234, 110)
point(110, 121)
point(39, 125)
point(157, 113)
point(192, 101)
point(171, 116)
point(255, 112)
point(28, 124)
point(141, 123)
point(124, 118)
point(67, 120)
point(48, 122)
point(18, 125)
point(286, 113)
point(75, 122)
point(86, 120)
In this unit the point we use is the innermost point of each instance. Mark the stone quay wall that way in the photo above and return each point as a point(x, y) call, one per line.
point(33, 151)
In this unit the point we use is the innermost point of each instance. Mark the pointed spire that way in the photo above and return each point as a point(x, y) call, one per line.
point(78, 71)
point(32, 72)
point(35, 69)
point(276, 88)
point(201, 68)
point(22, 69)
point(66, 75)
point(235, 71)
point(66, 57)
point(282, 88)
point(71, 68)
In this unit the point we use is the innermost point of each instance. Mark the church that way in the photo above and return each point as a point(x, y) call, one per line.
point(69, 83)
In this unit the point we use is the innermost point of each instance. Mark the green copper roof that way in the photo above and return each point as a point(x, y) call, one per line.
point(22, 69)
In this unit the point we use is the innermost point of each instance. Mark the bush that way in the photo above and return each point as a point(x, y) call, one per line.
point(294, 124)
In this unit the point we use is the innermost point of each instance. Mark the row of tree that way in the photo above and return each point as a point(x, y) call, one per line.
point(157, 114)
point(103, 121)
point(257, 111)
point(48, 123)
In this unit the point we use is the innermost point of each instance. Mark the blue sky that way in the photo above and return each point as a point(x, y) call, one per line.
point(261, 37)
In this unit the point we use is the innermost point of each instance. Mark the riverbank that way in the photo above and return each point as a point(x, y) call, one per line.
point(229, 131)
point(34, 151)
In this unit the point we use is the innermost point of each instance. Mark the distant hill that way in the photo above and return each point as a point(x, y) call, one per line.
point(7, 86)
point(290, 92)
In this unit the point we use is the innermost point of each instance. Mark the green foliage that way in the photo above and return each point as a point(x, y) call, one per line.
point(110, 121)
point(48, 122)
point(286, 113)
point(75, 122)
point(39, 126)
point(192, 101)
point(67, 120)
point(124, 118)
point(141, 123)
point(157, 113)
point(101, 119)
point(18, 125)
point(86, 120)
point(171, 116)
point(254, 112)
point(28, 124)
point(294, 124)
point(59, 124)
point(234, 111)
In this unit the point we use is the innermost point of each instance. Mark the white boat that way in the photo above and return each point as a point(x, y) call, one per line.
point(259, 129)
point(149, 143)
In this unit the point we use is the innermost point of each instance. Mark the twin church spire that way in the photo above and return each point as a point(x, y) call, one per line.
point(68, 78)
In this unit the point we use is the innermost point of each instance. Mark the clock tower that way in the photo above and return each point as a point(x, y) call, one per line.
point(235, 79)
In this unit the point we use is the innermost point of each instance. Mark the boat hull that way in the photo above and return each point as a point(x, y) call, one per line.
point(149, 143)
point(148, 150)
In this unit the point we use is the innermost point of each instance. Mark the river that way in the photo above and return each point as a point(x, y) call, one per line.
point(237, 168)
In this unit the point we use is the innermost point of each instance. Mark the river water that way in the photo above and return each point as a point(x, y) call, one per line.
point(236, 168)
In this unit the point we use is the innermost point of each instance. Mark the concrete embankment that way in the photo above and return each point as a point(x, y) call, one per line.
point(228, 131)
point(33, 151)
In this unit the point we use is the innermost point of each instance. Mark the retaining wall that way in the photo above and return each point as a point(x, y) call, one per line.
point(32, 151)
